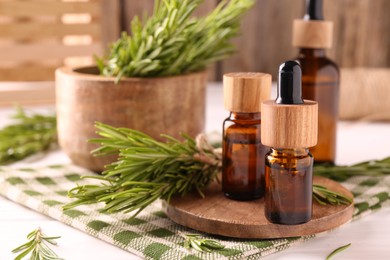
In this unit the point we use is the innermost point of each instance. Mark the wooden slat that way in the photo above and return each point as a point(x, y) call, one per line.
point(27, 73)
point(27, 94)
point(37, 8)
point(132, 8)
point(204, 9)
point(361, 30)
point(345, 30)
point(265, 39)
point(110, 22)
point(20, 53)
point(46, 30)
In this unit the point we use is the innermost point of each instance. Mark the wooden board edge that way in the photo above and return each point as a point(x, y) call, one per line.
point(260, 232)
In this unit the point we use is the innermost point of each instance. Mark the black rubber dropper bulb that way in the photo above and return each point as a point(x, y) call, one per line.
point(314, 10)
point(290, 83)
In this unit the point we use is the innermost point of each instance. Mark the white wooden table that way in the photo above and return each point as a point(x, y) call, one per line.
point(357, 141)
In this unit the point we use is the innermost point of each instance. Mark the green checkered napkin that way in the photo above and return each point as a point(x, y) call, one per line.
point(151, 234)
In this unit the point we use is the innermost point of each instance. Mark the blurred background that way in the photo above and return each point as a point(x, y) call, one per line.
point(38, 36)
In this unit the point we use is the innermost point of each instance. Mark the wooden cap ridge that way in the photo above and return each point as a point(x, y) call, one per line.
point(289, 126)
point(244, 91)
point(316, 34)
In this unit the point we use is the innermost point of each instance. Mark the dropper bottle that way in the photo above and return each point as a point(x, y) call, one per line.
point(289, 127)
point(320, 76)
point(242, 151)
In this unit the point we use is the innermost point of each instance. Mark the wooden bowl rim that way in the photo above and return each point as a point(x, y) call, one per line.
point(74, 72)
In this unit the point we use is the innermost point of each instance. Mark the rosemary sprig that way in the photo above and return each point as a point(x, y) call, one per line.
point(29, 135)
point(37, 247)
point(342, 173)
point(337, 250)
point(147, 170)
point(324, 196)
point(171, 42)
point(200, 244)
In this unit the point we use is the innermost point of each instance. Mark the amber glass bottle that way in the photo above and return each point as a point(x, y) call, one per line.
point(288, 186)
point(320, 76)
point(320, 82)
point(289, 165)
point(243, 153)
point(243, 177)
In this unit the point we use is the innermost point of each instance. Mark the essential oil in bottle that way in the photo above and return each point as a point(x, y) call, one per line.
point(243, 153)
point(289, 127)
point(320, 76)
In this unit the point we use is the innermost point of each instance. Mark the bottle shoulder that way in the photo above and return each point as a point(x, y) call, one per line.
point(319, 63)
point(241, 127)
point(319, 69)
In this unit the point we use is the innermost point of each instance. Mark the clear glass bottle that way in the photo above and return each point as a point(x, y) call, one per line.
point(243, 153)
point(289, 127)
point(320, 76)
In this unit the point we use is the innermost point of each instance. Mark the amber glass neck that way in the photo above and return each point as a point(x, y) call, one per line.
point(314, 53)
point(245, 116)
point(289, 152)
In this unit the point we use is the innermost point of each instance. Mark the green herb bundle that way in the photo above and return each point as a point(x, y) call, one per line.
point(29, 134)
point(172, 42)
point(147, 170)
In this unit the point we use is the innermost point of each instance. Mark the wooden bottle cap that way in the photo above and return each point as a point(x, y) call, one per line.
point(244, 91)
point(312, 34)
point(289, 126)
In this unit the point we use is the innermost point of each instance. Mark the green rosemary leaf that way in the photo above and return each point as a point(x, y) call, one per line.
point(172, 42)
point(337, 250)
point(325, 196)
point(187, 244)
point(37, 246)
point(194, 244)
point(202, 245)
point(29, 134)
point(342, 173)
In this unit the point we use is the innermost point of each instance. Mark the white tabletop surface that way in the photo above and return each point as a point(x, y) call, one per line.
point(357, 141)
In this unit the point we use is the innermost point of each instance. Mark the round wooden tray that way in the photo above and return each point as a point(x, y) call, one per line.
point(221, 216)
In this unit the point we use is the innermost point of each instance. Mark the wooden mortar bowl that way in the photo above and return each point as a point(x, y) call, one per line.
point(164, 105)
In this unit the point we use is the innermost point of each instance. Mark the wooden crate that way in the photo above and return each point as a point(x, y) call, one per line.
point(37, 36)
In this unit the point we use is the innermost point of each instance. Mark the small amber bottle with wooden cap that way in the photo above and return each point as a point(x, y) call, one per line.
point(243, 153)
point(289, 127)
point(320, 76)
